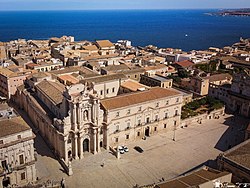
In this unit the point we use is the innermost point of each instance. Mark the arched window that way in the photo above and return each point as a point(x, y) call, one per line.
point(69, 140)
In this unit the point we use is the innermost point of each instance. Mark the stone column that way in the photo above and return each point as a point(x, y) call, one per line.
point(75, 117)
point(94, 140)
point(76, 147)
point(106, 137)
point(89, 114)
point(78, 115)
point(80, 147)
point(98, 140)
point(93, 112)
point(66, 152)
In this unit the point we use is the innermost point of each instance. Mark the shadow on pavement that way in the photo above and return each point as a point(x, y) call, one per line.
point(234, 134)
point(40, 145)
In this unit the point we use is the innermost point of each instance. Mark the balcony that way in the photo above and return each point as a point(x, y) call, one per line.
point(6, 170)
point(138, 125)
point(116, 131)
point(127, 128)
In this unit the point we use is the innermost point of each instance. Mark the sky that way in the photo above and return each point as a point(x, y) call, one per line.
point(119, 4)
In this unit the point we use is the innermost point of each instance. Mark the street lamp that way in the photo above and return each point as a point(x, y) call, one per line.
point(174, 131)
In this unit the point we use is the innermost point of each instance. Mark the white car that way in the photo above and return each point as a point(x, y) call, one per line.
point(121, 150)
point(125, 148)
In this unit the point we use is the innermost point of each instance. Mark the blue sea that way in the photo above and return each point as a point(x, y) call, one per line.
point(186, 29)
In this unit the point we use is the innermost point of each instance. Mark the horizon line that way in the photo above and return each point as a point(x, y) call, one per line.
point(119, 9)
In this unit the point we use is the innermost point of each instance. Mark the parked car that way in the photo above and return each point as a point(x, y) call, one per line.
point(139, 149)
point(125, 148)
point(121, 150)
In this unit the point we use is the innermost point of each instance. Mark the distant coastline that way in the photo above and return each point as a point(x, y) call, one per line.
point(237, 12)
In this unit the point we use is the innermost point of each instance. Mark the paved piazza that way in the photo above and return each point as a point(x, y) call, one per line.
point(162, 157)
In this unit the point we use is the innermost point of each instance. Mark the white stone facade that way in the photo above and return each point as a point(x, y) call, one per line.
point(17, 159)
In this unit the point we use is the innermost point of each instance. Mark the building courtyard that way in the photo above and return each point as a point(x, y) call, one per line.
point(164, 158)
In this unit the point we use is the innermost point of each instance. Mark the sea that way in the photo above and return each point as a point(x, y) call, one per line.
point(185, 29)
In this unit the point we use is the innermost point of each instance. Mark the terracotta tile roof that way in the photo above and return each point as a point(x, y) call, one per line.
point(104, 78)
point(6, 72)
point(90, 47)
point(104, 43)
point(75, 69)
point(116, 67)
point(240, 154)
point(13, 126)
point(31, 65)
point(159, 66)
point(137, 98)
point(220, 77)
point(40, 75)
point(97, 56)
point(133, 85)
point(52, 90)
point(133, 71)
point(194, 179)
point(69, 78)
point(2, 52)
point(185, 63)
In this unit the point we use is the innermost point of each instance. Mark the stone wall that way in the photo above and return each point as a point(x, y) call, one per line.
point(202, 117)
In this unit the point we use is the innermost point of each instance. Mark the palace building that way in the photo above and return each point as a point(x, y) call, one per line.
point(75, 120)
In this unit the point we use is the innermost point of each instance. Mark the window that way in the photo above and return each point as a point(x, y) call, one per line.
point(176, 112)
point(157, 104)
point(1, 141)
point(4, 164)
point(107, 91)
point(139, 109)
point(128, 112)
point(101, 130)
point(167, 102)
point(139, 122)
point(175, 123)
point(138, 133)
point(128, 125)
point(21, 160)
point(156, 117)
point(165, 126)
point(177, 100)
point(117, 114)
point(166, 115)
point(155, 128)
point(147, 120)
point(19, 137)
point(101, 92)
point(117, 127)
point(23, 176)
point(127, 136)
point(113, 89)
point(116, 139)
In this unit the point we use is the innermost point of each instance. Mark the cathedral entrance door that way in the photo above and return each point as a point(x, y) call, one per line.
point(86, 145)
point(147, 131)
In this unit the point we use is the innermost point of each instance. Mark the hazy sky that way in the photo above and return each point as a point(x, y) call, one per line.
point(119, 4)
